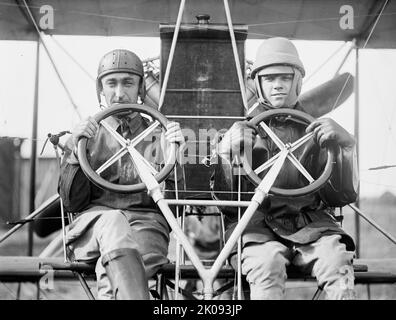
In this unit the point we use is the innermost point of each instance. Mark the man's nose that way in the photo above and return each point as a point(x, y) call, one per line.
point(278, 84)
point(119, 91)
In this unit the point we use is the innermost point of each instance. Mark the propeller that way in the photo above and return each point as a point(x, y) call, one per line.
point(327, 96)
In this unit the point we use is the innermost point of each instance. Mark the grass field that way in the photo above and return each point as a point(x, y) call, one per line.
point(372, 245)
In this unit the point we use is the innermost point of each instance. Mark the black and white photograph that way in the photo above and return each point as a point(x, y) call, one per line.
point(224, 152)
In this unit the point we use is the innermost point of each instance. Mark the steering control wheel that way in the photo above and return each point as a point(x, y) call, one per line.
point(94, 176)
point(314, 184)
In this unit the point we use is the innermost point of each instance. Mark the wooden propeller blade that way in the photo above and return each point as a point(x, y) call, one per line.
point(327, 96)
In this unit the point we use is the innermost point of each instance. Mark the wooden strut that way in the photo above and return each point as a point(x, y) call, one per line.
point(171, 54)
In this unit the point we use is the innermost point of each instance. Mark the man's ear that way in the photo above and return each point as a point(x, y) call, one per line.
point(100, 85)
point(142, 90)
point(99, 90)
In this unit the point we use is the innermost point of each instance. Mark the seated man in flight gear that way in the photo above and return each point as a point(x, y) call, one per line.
point(301, 230)
point(124, 234)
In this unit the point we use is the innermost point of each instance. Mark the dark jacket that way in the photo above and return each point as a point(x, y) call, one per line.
point(301, 219)
point(79, 194)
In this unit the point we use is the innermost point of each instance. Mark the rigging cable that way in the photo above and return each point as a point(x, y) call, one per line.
point(364, 46)
point(40, 34)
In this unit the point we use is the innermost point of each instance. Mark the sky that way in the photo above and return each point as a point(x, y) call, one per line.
point(17, 64)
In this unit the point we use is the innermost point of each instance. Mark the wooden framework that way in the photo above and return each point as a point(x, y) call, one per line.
point(32, 269)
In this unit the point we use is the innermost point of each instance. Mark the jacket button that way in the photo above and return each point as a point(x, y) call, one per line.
point(269, 218)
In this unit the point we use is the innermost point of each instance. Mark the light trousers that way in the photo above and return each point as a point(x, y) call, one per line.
point(326, 259)
point(101, 230)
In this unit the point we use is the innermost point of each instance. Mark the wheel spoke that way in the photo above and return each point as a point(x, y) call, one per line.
point(300, 167)
point(264, 173)
point(124, 144)
point(114, 133)
point(266, 164)
point(272, 174)
point(113, 159)
point(298, 143)
point(145, 133)
point(294, 146)
point(152, 170)
point(273, 136)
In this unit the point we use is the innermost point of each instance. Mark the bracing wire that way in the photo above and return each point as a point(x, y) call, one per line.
point(364, 46)
point(40, 34)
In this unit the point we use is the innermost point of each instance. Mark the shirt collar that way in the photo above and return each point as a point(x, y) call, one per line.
point(133, 123)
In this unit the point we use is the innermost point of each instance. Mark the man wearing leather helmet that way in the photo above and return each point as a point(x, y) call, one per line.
point(124, 234)
point(291, 230)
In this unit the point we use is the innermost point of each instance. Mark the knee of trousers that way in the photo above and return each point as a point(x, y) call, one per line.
point(113, 232)
point(265, 265)
point(331, 267)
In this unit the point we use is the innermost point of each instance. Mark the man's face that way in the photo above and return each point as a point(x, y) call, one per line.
point(276, 88)
point(120, 87)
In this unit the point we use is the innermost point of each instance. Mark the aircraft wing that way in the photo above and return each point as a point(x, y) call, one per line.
point(294, 19)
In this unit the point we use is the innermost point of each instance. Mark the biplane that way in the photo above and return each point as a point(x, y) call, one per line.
point(200, 78)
